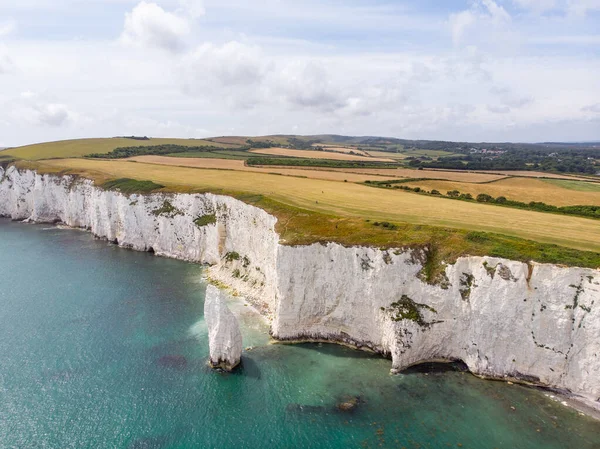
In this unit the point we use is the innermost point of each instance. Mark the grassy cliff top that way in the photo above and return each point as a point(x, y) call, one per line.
point(311, 211)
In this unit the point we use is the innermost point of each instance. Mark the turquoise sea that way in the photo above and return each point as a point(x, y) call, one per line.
point(102, 347)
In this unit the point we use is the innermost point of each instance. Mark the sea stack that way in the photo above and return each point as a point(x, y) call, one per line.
point(224, 335)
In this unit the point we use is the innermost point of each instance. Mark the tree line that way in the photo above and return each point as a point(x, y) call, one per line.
point(579, 210)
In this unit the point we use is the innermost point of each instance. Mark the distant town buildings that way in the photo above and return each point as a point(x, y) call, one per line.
point(486, 151)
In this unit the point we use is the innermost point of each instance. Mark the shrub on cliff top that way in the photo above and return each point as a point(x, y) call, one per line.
point(128, 185)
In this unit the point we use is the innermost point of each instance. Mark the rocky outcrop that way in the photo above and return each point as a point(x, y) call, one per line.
point(224, 335)
point(505, 319)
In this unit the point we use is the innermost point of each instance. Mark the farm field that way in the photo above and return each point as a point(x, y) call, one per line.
point(431, 174)
point(580, 186)
point(316, 155)
point(334, 174)
point(82, 147)
point(229, 140)
point(221, 154)
point(387, 154)
point(339, 149)
point(523, 189)
point(243, 140)
point(230, 164)
point(428, 153)
point(352, 201)
point(525, 174)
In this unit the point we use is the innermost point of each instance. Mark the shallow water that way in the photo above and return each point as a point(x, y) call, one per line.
point(102, 347)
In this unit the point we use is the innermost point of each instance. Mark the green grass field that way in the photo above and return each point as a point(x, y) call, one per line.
point(82, 147)
point(428, 153)
point(580, 186)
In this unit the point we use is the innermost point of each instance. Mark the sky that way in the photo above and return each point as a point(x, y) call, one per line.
point(473, 70)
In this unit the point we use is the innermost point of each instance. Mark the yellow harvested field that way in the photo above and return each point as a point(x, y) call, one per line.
point(82, 147)
point(231, 164)
point(333, 174)
point(339, 149)
point(316, 155)
point(395, 156)
point(519, 189)
point(408, 173)
point(526, 174)
point(355, 200)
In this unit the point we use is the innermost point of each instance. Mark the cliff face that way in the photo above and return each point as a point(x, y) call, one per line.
point(539, 323)
point(236, 236)
point(224, 335)
point(504, 319)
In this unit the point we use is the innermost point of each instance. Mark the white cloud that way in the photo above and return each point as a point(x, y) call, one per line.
point(483, 13)
point(139, 125)
point(192, 8)
point(148, 25)
point(7, 27)
point(230, 64)
point(459, 23)
point(592, 108)
point(585, 39)
point(499, 109)
point(581, 7)
point(45, 114)
point(572, 8)
point(53, 114)
point(538, 6)
point(41, 109)
point(6, 63)
point(233, 75)
point(391, 72)
point(307, 84)
point(245, 76)
point(497, 12)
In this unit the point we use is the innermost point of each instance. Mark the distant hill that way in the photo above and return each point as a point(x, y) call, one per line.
point(572, 144)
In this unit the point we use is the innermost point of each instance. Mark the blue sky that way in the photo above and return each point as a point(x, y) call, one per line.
point(493, 70)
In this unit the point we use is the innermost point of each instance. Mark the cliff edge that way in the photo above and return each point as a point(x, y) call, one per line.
point(535, 323)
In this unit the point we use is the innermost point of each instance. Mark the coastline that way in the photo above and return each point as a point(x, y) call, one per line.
point(279, 295)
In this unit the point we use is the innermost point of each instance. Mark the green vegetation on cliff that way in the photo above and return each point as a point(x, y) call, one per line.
point(315, 211)
point(128, 186)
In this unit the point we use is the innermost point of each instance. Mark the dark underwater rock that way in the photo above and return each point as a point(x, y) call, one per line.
point(349, 404)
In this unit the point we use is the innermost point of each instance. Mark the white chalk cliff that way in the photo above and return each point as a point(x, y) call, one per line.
point(224, 335)
point(505, 319)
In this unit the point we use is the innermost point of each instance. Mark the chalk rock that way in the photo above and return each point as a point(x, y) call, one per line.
point(508, 320)
point(224, 336)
